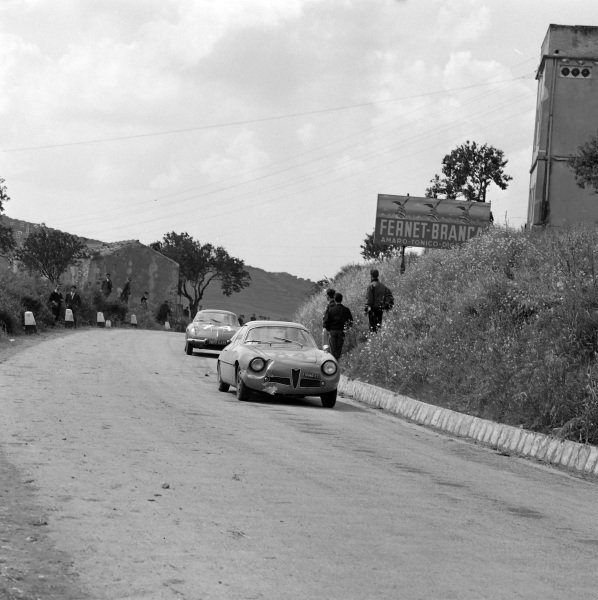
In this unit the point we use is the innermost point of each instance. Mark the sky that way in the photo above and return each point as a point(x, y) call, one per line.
point(268, 127)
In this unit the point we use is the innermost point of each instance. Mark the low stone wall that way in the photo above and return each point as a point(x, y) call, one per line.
point(582, 458)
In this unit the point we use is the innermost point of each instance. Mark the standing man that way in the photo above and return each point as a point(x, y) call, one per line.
point(164, 312)
point(337, 320)
point(144, 300)
point(55, 301)
point(124, 295)
point(73, 301)
point(378, 298)
point(107, 286)
point(330, 302)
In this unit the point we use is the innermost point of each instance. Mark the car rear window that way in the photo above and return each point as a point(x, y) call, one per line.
point(217, 318)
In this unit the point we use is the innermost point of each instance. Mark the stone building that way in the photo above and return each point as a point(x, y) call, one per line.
point(566, 118)
point(149, 270)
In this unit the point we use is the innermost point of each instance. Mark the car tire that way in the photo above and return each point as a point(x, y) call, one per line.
point(222, 387)
point(328, 399)
point(242, 390)
point(188, 348)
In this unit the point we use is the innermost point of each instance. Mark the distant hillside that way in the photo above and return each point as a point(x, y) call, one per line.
point(272, 295)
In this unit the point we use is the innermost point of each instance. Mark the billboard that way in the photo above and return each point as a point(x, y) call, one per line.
point(428, 222)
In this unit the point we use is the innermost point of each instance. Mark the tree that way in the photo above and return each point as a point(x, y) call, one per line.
point(50, 252)
point(7, 241)
point(372, 251)
point(468, 171)
point(585, 164)
point(200, 265)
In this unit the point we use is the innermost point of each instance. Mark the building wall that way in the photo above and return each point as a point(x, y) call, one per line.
point(149, 270)
point(566, 118)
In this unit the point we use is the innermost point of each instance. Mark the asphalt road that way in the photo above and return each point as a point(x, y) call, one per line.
point(152, 484)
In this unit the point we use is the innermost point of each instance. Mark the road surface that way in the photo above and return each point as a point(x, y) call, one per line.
point(137, 479)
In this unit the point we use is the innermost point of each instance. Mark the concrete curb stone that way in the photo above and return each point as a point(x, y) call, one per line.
point(581, 458)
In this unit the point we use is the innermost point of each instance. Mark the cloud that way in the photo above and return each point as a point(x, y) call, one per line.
point(462, 21)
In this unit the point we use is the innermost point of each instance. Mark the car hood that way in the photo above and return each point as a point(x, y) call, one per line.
point(292, 354)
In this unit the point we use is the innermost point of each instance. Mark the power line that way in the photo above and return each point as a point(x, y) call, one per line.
point(363, 154)
point(253, 121)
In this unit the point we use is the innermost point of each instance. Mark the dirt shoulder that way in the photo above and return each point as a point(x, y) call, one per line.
point(11, 345)
point(31, 568)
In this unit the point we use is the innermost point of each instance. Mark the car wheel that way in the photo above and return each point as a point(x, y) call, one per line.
point(242, 390)
point(328, 399)
point(188, 348)
point(222, 387)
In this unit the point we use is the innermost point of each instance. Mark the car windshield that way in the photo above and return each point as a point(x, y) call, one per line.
point(280, 335)
point(216, 318)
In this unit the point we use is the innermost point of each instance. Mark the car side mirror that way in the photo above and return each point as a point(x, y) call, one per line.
point(326, 348)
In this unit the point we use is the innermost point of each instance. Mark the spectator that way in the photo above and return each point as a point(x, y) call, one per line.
point(107, 285)
point(378, 299)
point(144, 300)
point(329, 302)
point(164, 312)
point(55, 301)
point(337, 320)
point(73, 301)
point(124, 295)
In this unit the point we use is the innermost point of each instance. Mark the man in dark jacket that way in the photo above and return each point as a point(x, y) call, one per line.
point(56, 303)
point(330, 302)
point(337, 320)
point(107, 285)
point(73, 301)
point(375, 303)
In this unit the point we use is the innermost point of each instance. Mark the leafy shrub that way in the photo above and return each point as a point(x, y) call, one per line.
point(504, 327)
point(19, 293)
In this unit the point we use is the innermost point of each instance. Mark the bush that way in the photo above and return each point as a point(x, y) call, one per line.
point(19, 293)
point(504, 327)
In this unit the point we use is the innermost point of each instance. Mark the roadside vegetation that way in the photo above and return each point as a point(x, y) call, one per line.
point(504, 328)
point(22, 291)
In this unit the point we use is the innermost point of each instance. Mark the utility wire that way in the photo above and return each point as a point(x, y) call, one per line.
point(252, 121)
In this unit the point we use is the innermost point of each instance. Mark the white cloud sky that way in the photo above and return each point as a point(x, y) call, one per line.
point(266, 126)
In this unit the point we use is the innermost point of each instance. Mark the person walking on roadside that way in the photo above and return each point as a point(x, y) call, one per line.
point(378, 298)
point(73, 301)
point(337, 320)
point(55, 301)
point(329, 302)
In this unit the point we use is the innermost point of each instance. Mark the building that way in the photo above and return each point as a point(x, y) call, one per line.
point(149, 270)
point(566, 118)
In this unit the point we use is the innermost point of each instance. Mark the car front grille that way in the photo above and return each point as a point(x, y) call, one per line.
point(300, 383)
point(309, 383)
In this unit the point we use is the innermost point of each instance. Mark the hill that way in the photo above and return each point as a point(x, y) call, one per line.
point(270, 295)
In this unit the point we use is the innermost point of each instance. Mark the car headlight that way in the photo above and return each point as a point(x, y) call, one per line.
point(329, 367)
point(257, 364)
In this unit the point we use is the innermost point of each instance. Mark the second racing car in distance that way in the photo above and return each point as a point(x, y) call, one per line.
point(210, 329)
point(279, 358)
